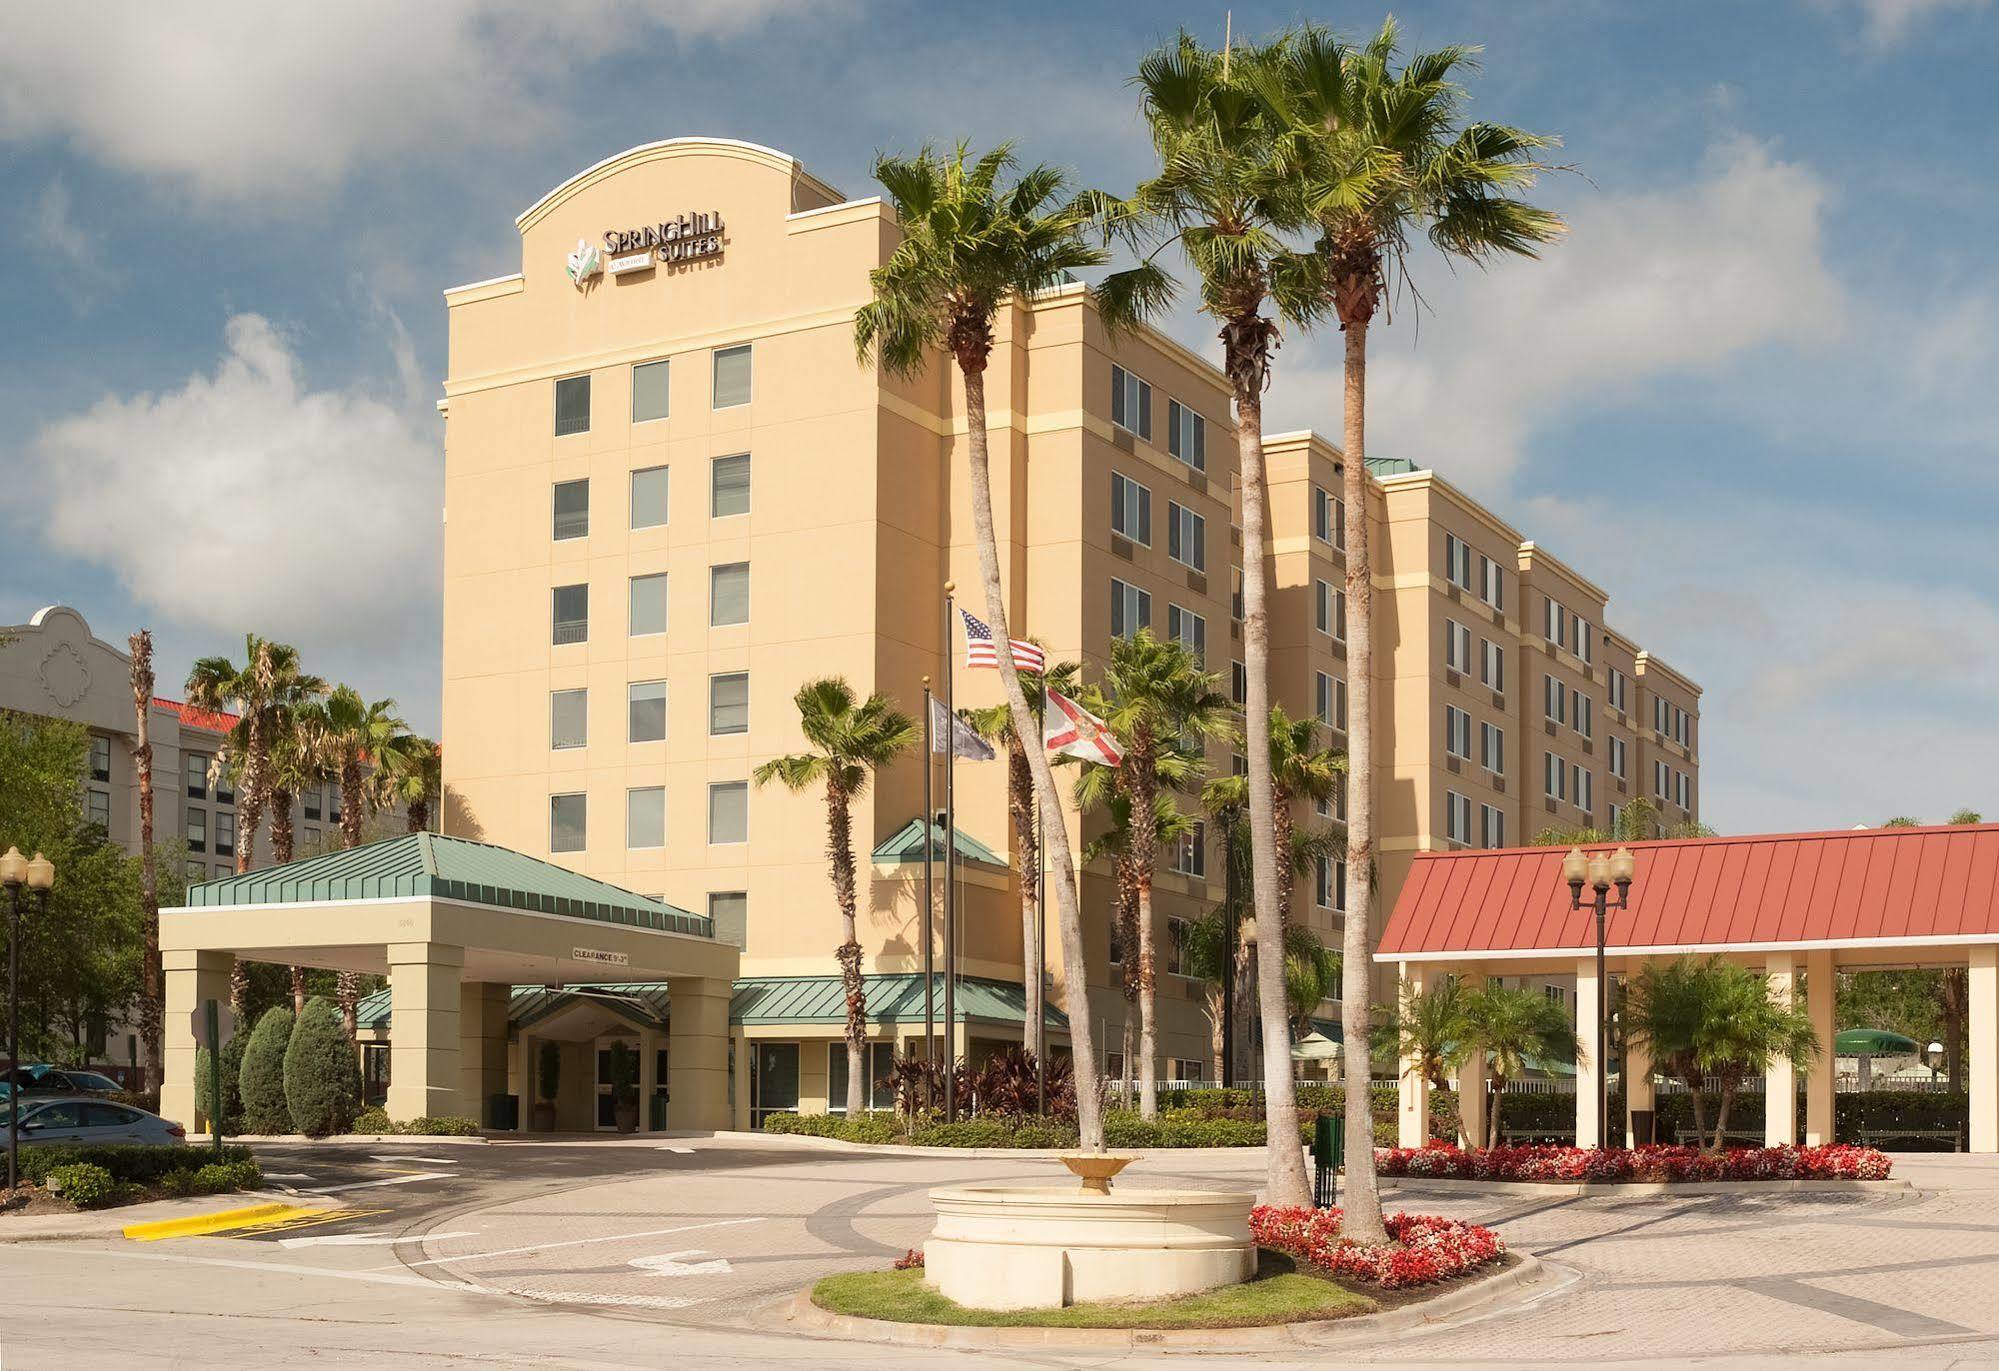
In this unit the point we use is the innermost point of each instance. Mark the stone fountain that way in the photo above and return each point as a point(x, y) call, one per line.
point(1040, 1247)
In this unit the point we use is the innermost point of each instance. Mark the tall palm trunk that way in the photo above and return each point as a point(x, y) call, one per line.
point(1493, 1109)
point(1246, 340)
point(1144, 842)
point(152, 1016)
point(1217, 1020)
point(283, 847)
point(1287, 876)
point(249, 813)
point(1124, 929)
point(1020, 807)
point(1363, 1195)
point(840, 857)
point(347, 985)
point(971, 357)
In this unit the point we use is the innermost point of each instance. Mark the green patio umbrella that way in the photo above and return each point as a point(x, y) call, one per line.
point(1873, 1042)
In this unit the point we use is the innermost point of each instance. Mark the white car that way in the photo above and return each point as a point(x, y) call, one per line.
point(86, 1121)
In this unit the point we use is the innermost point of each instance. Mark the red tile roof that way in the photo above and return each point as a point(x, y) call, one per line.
point(1857, 886)
point(196, 718)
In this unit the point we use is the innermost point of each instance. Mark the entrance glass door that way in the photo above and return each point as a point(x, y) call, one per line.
point(607, 1116)
point(776, 1081)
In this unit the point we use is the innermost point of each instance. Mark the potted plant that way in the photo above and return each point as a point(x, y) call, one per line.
point(548, 1080)
point(625, 1086)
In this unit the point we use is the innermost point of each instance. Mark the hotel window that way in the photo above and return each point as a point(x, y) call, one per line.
point(1585, 790)
point(568, 721)
point(729, 595)
point(333, 804)
point(1492, 665)
point(1616, 818)
point(1189, 855)
point(1580, 634)
point(1322, 883)
point(1189, 630)
point(197, 871)
point(649, 491)
point(1235, 593)
point(1186, 537)
point(1684, 786)
point(1661, 776)
point(1340, 797)
point(312, 802)
point(1457, 732)
point(729, 486)
point(1683, 726)
point(648, 605)
point(1186, 435)
point(729, 912)
point(648, 391)
point(311, 843)
point(1238, 765)
point(572, 510)
point(1329, 517)
point(1617, 761)
point(97, 810)
point(1457, 817)
point(225, 790)
point(1457, 561)
point(645, 710)
point(732, 377)
point(1556, 993)
point(571, 614)
point(1658, 714)
point(1239, 683)
point(1582, 713)
point(728, 812)
point(1492, 582)
point(1457, 646)
point(1131, 609)
point(567, 815)
point(1554, 777)
point(1131, 510)
point(1131, 403)
point(1554, 700)
point(1492, 748)
point(729, 703)
point(1330, 610)
point(1554, 623)
point(197, 830)
point(1614, 689)
point(1491, 826)
point(645, 817)
point(197, 776)
point(878, 1089)
point(100, 758)
point(225, 835)
point(1330, 700)
point(572, 405)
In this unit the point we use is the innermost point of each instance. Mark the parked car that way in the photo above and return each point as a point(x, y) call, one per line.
point(40, 1078)
point(88, 1121)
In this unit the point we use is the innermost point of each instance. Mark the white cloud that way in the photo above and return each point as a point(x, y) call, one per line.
point(248, 499)
point(1646, 285)
point(253, 104)
point(1886, 24)
point(50, 230)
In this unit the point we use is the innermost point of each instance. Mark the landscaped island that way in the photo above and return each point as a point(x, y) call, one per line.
point(1444, 1161)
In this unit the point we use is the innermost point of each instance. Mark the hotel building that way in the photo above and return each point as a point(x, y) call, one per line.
point(673, 495)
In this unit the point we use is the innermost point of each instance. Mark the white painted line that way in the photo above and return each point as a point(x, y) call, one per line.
point(405, 1157)
point(688, 1151)
point(670, 1264)
point(289, 1268)
point(609, 1301)
point(411, 1178)
point(286, 1176)
point(575, 1242)
point(371, 1239)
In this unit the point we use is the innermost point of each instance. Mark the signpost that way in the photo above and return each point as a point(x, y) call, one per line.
point(207, 1024)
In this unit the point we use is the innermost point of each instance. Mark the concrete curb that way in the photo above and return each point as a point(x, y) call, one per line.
point(111, 1223)
point(1251, 1155)
point(1526, 1276)
point(340, 1139)
point(1626, 1190)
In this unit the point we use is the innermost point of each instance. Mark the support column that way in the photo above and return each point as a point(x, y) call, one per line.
point(1982, 1063)
point(1589, 999)
point(424, 1077)
point(1821, 989)
point(191, 978)
point(1412, 1119)
point(1780, 1082)
point(482, 1046)
point(1639, 1092)
point(649, 1043)
point(698, 1052)
point(1472, 1120)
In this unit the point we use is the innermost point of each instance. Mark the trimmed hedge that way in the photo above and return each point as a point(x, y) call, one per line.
point(232, 1084)
point(322, 1079)
point(440, 1126)
point(137, 1164)
point(85, 1185)
point(262, 1079)
point(373, 1119)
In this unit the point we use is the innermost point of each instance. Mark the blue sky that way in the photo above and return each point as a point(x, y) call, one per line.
point(1749, 394)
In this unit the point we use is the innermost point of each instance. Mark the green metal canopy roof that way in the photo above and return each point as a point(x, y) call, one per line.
point(1873, 1042)
point(894, 998)
point(643, 1002)
point(906, 845)
point(430, 864)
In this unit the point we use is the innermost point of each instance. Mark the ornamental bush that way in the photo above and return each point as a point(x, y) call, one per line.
point(440, 1126)
point(964, 1133)
point(322, 1079)
point(262, 1078)
point(373, 1119)
point(232, 1086)
point(133, 1163)
point(83, 1184)
point(1541, 1163)
point(1421, 1250)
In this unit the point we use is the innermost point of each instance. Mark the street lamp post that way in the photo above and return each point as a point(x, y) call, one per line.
point(37, 875)
point(1600, 873)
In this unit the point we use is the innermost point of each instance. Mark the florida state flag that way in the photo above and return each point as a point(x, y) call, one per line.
point(1069, 730)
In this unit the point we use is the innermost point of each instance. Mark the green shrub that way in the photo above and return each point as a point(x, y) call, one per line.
point(869, 1128)
point(83, 1184)
point(440, 1126)
point(262, 1079)
point(1122, 1128)
point(132, 1163)
point(322, 1077)
point(1212, 1133)
point(964, 1133)
point(232, 1086)
point(373, 1119)
point(1045, 1133)
point(177, 1183)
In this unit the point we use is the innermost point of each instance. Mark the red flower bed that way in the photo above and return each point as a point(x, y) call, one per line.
point(1634, 1164)
point(1422, 1248)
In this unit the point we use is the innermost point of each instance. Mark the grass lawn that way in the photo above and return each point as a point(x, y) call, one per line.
point(1273, 1297)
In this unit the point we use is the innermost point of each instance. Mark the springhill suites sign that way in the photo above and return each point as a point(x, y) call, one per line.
point(683, 238)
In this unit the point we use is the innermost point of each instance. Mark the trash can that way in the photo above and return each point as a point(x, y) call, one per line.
point(1644, 1127)
point(503, 1111)
point(1329, 1145)
point(657, 1119)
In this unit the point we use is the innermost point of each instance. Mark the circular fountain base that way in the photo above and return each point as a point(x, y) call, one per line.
point(1040, 1247)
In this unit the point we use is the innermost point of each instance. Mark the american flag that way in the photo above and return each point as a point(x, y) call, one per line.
point(979, 649)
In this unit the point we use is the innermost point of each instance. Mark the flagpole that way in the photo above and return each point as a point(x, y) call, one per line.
point(950, 863)
point(929, 914)
point(1040, 959)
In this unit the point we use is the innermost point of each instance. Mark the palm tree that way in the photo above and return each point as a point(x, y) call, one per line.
point(1424, 1029)
point(346, 736)
point(1381, 156)
point(151, 1008)
point(1225, 193)
point(995, 725)
point(850, 739)
point(413, 778)
point(969, 245)
point(1120, 842)
point(296, 764)
point(1509, 1027)
point(1204, 955)
point(262, 692)
point(1159, 703)
point(1311, 971)
point(1637, 822)
point(1708, 1017)
point(1300, 770)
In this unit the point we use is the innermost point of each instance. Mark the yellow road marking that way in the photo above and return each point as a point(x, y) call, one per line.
point(195, 1225)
